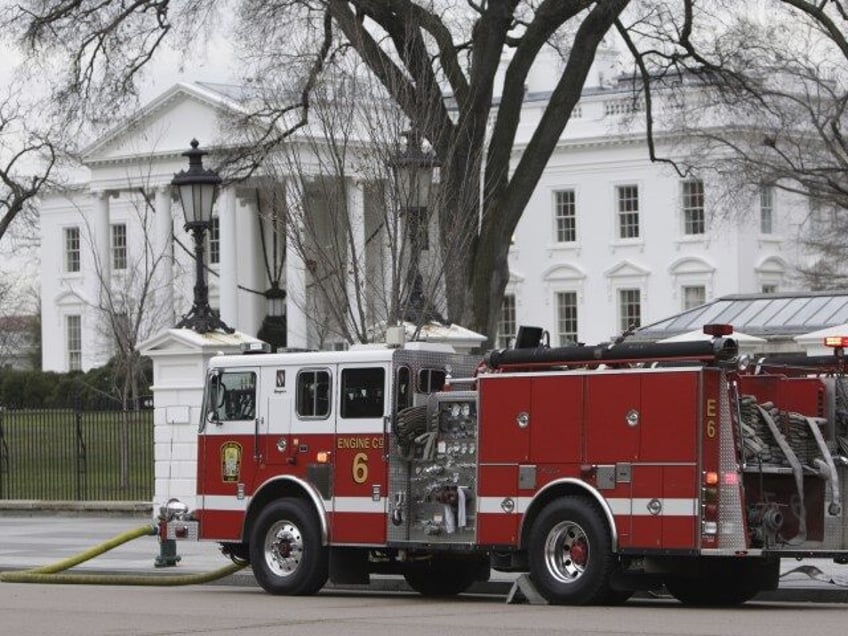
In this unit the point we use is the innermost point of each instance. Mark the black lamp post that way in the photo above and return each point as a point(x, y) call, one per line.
point(198, 189)
point(413, 170)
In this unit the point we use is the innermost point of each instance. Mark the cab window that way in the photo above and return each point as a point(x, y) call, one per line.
point(363, 393)
point(313, 393)
point(232, 396)
point(431, 380)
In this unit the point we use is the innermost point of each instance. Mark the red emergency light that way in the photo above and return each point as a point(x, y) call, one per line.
point(837, 342)
point(717, 329)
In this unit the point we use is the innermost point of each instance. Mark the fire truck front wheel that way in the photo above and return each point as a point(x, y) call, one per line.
point(570, 553)
point(286, 551)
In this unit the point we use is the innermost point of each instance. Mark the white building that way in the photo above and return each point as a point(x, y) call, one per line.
point(608, 239)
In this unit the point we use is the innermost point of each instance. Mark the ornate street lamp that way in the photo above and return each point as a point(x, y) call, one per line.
point(198, 189)
point(413, 170)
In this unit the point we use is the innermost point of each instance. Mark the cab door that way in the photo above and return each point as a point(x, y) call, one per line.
point(360, 475)
point(229, 452)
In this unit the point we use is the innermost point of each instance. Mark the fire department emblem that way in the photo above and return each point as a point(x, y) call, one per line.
point(230, 461)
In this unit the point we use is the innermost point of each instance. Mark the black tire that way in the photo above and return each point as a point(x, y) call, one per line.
point(286, 551)
point(719, 582)
point(445, 576)
point(570, 553)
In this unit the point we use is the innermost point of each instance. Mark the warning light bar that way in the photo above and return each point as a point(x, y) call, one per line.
point(717, 329)
point(837, 342)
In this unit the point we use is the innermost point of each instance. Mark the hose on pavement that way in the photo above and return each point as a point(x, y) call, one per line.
point(55, 572)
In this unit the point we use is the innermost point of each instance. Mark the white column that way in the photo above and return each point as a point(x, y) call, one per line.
point(356, 251)
point(295, 276)
point(252, 306)
point(163, 244)
point(101, 238)
point(228, 264)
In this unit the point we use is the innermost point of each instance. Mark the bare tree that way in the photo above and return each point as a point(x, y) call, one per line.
point(27, 159)
point(763, 106)
point(440, 62)
point(368, 262)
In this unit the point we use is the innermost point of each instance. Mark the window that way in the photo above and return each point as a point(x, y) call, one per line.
point(215, 241)
point(119, 246)
point(403, 389)
point(628, 211)
point(693, 207)
point(313, 393)
point(694, 296)
point(362, 392)
point(506, 325)
point(566, 303)
point(72, 249)
point(769, 288)
point(565, 216)
point(431, 380)
point(629, 309)
point(766, 210)
point(232, 396)
point(73, 342)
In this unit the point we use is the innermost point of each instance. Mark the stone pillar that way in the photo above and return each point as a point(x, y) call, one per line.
point(228, 265)
point(163, 243)
point(298, 335)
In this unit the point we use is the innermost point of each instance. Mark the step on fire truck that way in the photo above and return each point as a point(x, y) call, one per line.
point(600, 470)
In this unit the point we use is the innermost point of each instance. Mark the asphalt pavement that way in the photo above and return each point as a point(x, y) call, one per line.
point(31, 536)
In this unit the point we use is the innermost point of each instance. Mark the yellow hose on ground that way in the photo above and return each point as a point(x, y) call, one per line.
point(53, 573)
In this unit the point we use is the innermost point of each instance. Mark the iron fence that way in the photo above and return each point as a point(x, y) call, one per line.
point(76, 455)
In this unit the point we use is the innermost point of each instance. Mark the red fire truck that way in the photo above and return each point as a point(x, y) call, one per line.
point(600, 470)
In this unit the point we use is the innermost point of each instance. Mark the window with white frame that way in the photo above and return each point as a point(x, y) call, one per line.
point(72, 249)
point(214, 241)
point(506, 324)
point(119, 246)
point(73, 342)
point(694, 220)
point(565, 216)
point(566, 304)
point(768, 288)
point(629, 309)
point(627, 197)
point(694, 296)
point(766, 209)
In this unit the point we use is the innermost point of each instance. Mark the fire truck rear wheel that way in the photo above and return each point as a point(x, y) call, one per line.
point(286, 551)
point(570, 553)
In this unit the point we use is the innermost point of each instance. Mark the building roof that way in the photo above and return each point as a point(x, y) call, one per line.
point(775, 316)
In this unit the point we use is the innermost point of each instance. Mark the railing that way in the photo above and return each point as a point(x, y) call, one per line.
point(76, 455)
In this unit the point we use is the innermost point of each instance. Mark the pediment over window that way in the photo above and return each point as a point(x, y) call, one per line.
point(627, 269)
point(69, 299)
point(563, 272)
point(771, 265)
point(691, 265)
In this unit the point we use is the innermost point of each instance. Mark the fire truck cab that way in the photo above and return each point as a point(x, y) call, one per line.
point(598, 470)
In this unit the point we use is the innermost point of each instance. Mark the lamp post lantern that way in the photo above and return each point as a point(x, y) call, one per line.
point(413, 170)
point(274, 327)
point(198, 188)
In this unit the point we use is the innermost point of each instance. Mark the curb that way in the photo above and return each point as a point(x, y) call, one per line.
point(37, 507)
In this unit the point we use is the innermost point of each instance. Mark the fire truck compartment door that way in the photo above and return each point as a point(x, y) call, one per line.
point(360, 485)
point(505, 419)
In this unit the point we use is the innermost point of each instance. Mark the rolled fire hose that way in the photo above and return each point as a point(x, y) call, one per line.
point(54, 572)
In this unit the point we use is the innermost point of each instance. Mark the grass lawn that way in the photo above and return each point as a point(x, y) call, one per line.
point(86, 456)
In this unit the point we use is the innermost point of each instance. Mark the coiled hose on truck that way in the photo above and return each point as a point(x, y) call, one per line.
point(55, 572)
